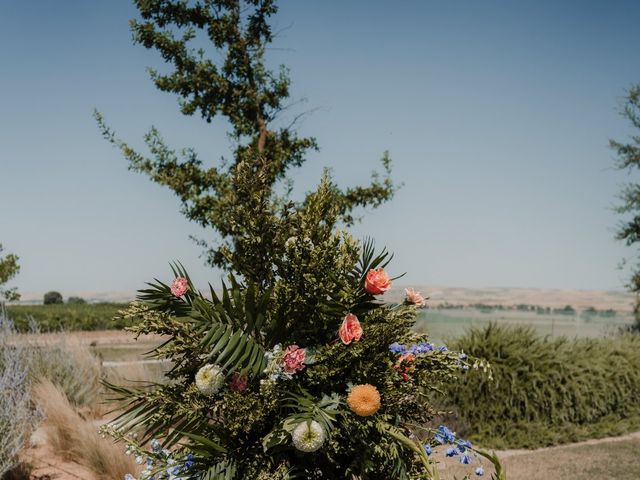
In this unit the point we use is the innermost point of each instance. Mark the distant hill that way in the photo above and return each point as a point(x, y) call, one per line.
point(620, 301)
point(555, 298)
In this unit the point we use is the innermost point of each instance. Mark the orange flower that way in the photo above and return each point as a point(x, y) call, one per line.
point(364, 400)
point(350, 329)
point(377, 282)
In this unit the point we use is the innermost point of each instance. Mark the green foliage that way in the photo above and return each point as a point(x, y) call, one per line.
point(546, 391)
point(68, 317)
point(228, 78)
point(251, 431)
point(9, 268)
point(294, 277)
point(628, 158)
point(53, 298)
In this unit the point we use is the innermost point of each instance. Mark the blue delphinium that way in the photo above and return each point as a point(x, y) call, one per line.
point(463, 444)
point(424, 347)
point(479, 471)
point(416, 348)
point(428, 450)
point(451, 451)
point(444, 435)
point(156, 446)
point(465, 459)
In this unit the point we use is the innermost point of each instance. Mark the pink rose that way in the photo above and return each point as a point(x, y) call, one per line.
point(239, 382)
point(350, 329)
point(415, 297)
point(179, 286)
point(377, 282)
point(293, 360)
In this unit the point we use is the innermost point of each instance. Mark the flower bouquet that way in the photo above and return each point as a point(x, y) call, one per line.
point(313, 376)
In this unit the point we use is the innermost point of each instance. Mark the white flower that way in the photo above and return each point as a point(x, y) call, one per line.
point(209, 379)
point(291, 241)
point(308, 436)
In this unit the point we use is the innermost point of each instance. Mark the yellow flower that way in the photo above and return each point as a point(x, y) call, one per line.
point(364, 400)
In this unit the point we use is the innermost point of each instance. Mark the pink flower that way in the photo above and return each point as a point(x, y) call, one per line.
point(350, 329)
point(377, 282)
point(415, 297)
point(239, 382)
point(179, 286)
point(293, 360)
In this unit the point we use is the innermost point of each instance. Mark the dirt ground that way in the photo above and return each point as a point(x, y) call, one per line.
point(611, 458)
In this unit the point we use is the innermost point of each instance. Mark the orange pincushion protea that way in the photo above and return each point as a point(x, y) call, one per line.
point(364, 400)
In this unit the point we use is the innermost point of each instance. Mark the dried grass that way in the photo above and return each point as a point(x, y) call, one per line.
point(77, 439)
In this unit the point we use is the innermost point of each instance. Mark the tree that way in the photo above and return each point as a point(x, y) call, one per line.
point(628, 158)
point(76, 301)
point(298, 369)
point(248, 200)
point(9, 268)
point(53, 298)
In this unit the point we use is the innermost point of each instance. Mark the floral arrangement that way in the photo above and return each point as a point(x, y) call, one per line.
point(312, 377)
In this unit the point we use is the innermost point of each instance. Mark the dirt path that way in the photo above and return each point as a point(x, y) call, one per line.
point(574, 460)
point(556, 448)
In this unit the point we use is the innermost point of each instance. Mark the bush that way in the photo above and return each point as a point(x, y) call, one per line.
point(547, 391)
point(75, 371)
point(17, 419)
point(53, 298)
point(76, 301)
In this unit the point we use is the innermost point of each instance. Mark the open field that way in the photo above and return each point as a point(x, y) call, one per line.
point(443, 324)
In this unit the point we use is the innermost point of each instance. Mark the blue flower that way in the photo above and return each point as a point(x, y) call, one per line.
point(443, 348)
point(479, 471)
point(464, 444)
point(427, 449)
point(463, 356)
point(451, 451)
point(424, 347)
point(156, 446)
point(444, 435)
point(413, 349)
point(465, 459)
point(397, 348)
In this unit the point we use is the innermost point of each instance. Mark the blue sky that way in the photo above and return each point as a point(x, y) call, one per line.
point(497, 116)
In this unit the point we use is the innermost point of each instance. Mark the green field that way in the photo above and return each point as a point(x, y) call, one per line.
point(443, 324)
point(51, 318)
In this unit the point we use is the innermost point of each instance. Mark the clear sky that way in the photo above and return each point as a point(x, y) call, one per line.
point(497, 115)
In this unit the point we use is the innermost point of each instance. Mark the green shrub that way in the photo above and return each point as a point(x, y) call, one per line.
point(98, 316)
point(546, 391)
point(76, 301)
point(51, 298)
